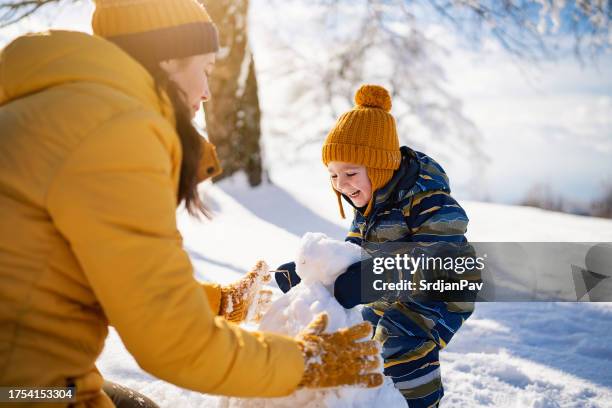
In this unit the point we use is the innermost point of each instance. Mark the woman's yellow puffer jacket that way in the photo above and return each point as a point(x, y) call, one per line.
point(89, 169)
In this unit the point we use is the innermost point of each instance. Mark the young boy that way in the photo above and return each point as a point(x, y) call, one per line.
point(398, 195)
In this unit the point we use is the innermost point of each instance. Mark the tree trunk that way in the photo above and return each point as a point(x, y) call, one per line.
point(233, 114)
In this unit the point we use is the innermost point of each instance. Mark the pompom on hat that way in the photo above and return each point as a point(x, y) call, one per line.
point(156, 30)
point(366, 135)
point(373, 96)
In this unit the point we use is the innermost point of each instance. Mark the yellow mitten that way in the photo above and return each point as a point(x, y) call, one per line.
point(236, 298)
point(339, 358)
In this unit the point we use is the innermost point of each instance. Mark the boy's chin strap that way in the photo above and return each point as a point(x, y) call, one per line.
point(370, 205)
point(339, 198)
point(365, 210)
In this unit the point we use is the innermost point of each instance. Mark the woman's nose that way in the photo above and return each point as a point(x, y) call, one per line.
point(206, 95)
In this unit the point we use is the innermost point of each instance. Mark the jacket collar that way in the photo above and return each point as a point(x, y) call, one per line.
point(417, 173)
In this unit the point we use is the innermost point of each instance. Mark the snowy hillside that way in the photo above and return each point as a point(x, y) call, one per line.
point(507, 355)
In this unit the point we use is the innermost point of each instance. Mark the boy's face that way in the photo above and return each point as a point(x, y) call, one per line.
point(351, 180)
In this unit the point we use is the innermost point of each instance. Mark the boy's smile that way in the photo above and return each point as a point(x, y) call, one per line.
point(351, 180)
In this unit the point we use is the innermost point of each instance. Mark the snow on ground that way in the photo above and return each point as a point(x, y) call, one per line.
point(535, 355)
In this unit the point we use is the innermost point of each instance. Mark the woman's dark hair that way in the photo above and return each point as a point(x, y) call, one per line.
point(190, 137)
point(190, 141)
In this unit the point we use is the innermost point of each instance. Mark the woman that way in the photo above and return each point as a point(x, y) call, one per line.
point(97, 149)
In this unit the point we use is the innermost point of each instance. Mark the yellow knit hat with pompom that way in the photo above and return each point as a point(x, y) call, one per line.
point(366, 135)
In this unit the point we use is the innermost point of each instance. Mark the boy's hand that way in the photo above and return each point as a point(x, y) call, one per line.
point(348, 286)
point(236, 298)
point(345, 357)
point(286, 277)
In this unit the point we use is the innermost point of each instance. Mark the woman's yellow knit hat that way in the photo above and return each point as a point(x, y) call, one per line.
point(156, 30)
point(366, 135)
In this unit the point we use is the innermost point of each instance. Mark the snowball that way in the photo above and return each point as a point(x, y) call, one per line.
point(322, 259)
point(319, 261)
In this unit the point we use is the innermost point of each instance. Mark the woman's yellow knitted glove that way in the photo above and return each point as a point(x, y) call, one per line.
point(344, 357)
point(236, 298)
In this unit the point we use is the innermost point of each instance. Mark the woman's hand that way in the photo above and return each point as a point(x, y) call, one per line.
point(237, 298)
point(345, 357)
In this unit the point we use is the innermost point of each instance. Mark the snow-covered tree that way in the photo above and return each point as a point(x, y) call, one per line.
point(233, 114)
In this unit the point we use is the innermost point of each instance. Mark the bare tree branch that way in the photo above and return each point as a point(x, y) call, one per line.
point(12, 12)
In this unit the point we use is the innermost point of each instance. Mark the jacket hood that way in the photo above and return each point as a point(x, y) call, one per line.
point(417, 173)
point(36, 62)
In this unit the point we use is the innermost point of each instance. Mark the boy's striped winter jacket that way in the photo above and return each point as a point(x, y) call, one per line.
point(414, 206)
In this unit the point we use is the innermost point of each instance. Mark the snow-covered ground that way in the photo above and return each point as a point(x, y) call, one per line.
point(507, 354)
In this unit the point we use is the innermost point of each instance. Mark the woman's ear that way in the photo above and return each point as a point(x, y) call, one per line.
point(170, 66)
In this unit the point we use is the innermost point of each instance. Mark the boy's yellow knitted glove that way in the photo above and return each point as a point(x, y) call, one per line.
point(236, 298)
point(339, 358)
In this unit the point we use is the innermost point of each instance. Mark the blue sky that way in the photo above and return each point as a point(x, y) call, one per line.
point(548, 124)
